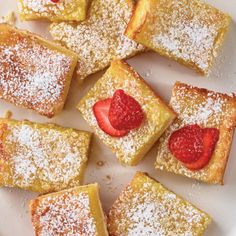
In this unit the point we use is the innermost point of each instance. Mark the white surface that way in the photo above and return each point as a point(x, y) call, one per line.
point(161, 73)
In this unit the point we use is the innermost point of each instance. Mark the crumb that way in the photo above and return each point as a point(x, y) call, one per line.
point(10, 18)
point(190, 195)
point(112, 188)
point(23, 203)
point(100, 163)
point(148, 73)
point(8, 115)
point(108, 179)
point(196, 185)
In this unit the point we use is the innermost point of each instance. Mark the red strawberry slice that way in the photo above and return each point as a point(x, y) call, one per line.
point(100, 110)
point(210, 138)
point(186, 143)
point(55, 1)
point(125, 112)
point(193, 145)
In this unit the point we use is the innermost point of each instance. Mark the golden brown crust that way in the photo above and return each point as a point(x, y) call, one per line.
point(75, 211)
point(100, 38)
point(145, 207)
point(131, 148)
point(189, 32)
point(208, 109)
point(35, 73)
point(138, 19)
point(41, 157)
point(73, 10)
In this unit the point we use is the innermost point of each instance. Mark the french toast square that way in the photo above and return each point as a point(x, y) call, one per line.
point(75, 211)
point(34, 73)
point(131, 148)
point(145, 207)
point(187, 31)
point(207, 109)
point(100, 38)
point(41, 157)
point(62, 10)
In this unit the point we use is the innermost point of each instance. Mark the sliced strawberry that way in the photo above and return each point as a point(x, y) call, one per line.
point(186, 144)
point(100, 110)
point(210, 138)
point(55, 1)
point(125, 112)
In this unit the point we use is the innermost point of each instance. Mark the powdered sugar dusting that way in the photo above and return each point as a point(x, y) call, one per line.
point(44, 6)
point(45, 155)
point(197, 49)
point(146, 208)
point(63, 10)
point(100, 38)
point(207, 109)
point(188, 31)
point(32, 75)
point(158, 116)
point(198, 111)
point(66, 214)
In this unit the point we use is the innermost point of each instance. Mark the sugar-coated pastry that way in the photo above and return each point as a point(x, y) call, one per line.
point(53, 10)
point(34, 73)
point(145, 207)
point(41, 157)
point(198, 143)
point(187, 31)
point(72, 212)
point(125, 113)
point(100, 38)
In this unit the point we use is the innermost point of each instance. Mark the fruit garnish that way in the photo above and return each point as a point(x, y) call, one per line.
point(101, 110)
point(186, 143)
point(210, 138)
point(55, 1)
point(125, 112)
point(193, 145)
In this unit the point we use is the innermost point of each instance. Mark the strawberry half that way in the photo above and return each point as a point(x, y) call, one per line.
point(125, 112)
point(193, 145)
point(210, 138)
point(186, 143)
point(101, 110)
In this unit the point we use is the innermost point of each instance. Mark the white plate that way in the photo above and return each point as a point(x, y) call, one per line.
point(161, 73)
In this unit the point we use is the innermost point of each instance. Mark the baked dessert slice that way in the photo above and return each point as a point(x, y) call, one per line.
point(41, 157)
point(187, 31)
point(145, 207)
point(125, 113)
point(53, 10)
point(100, 38)
point(75, 211)
point(198, 143)
point(34, 73)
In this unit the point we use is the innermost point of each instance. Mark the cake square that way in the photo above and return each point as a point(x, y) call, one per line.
point(62, 10)
point(209, 110)
point(132, 147)
point(187, 31)
point(34, 73)
point(100, 38)
point(41, 157)
point(145, 207)
point(76, 211)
